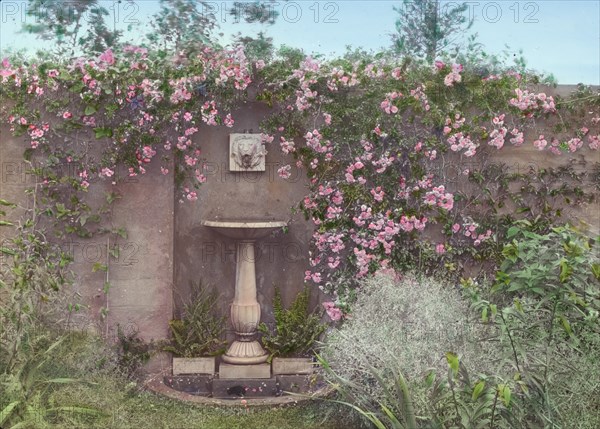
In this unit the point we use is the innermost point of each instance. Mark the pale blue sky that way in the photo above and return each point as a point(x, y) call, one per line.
point(561, 37)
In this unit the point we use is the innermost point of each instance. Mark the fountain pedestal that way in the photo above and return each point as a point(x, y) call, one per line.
point(245, 309)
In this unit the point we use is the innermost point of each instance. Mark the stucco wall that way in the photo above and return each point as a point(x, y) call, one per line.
point(140, 297)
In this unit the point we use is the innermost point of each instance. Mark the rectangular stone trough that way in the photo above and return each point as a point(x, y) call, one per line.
point(200, 365)
point(293, 366)
point(228, 371)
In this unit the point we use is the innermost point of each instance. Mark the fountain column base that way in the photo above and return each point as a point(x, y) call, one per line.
point(245, 353)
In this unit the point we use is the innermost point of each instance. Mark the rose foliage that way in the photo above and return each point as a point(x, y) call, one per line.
point(385, 144)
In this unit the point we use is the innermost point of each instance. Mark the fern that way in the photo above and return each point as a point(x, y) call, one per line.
point(199, 332)
point(296, 329)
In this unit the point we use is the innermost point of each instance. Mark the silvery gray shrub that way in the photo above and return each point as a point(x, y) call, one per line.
point(408, 324)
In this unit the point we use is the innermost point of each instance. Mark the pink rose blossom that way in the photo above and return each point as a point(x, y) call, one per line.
point(106, 172)
point(108, 57)
point(284, 172)
point(201, 178)
point(540, 143)
point(333, 312)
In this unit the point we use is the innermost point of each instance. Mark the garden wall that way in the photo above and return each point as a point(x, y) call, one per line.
point(522, 159)
point(166, 248)
point(139, 297)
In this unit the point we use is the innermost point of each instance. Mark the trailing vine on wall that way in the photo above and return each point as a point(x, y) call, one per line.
point(399, 155)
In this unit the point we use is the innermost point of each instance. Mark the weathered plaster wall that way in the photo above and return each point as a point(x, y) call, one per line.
point(521, 159)
point(140, 297)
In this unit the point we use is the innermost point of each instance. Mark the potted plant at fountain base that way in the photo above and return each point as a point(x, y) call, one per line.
point(197, 337)
point(291, 341)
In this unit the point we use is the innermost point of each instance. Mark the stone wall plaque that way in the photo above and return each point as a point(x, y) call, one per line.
point(246, 152)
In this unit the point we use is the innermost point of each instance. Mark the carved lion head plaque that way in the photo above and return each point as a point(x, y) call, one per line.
point(246, 152)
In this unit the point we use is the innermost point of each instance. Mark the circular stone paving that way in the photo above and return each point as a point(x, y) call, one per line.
point(156, 385)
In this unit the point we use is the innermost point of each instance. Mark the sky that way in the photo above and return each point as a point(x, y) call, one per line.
point(561, 37)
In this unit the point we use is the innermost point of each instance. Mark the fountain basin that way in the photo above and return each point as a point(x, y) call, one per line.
point(244, 229)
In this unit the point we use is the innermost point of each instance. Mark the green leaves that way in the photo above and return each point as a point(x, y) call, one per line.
point(566, 325)
point(7, 411)
point(90, 109)
point(199, 332)
point(99, 266)
point(477, 390)
point(505, 394)
point(7, 204)
point(7, 251)
point(453, 362)
point(73, 307)
point(3, 213)
point(559, 269)
point(29, 383)
point(551, 296)
point(512, 231)
point(111, 197)
point(565, 270)
point(596, 270)
point(101, 132)
point(396, 411)
point(493, 309)
point(77, 87)
point(511, 251)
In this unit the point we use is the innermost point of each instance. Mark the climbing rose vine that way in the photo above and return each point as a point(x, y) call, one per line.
point(374, 136)
point(374, 139)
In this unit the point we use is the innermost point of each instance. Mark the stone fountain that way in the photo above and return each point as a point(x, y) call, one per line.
point(245, 309)
point(243, 371)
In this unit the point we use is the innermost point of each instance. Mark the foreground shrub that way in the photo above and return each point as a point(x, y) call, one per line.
point(411, 354)
point(401, 328)
point(545, 305)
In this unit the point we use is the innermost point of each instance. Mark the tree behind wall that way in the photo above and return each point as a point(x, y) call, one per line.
point(425, 28)
point(258, 12)
point(181, 24)
point(85, 27)
point(75, 25)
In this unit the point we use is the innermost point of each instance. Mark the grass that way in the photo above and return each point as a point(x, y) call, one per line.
point(128, 407)
point(124, 404)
